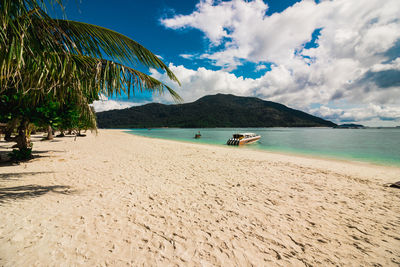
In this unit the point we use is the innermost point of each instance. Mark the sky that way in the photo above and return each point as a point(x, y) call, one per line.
point(336, 59)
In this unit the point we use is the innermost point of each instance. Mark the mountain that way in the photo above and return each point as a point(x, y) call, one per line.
point(211, 111)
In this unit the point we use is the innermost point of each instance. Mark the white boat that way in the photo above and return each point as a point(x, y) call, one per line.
point(243, 139)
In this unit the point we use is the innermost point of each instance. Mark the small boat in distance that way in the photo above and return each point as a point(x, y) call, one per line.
point(243, 138)
point(198, 135)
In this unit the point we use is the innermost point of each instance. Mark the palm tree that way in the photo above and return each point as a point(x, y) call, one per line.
point(41, 56)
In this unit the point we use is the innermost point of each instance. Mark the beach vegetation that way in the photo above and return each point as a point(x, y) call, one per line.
point(51, 70)
point(21, 154)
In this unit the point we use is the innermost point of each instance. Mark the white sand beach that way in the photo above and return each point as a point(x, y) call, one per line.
point(117, 199)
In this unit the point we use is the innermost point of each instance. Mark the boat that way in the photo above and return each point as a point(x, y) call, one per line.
point(243, 139)
point(198, 135)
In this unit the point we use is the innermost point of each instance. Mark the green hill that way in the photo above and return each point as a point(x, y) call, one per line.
point(211, 111)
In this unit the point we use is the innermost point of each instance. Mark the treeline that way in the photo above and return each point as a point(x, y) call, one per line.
point(22, 114)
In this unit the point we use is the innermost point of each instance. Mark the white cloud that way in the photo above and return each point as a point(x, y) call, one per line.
point(351, 61)
point(201, 82)
point(260, 67)
point(249, 33)
point(393, 65)
point(349, 28)
point(104, 105)
point(187, 56)
point(369, 114)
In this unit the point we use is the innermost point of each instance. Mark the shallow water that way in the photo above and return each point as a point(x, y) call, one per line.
point(370, 145)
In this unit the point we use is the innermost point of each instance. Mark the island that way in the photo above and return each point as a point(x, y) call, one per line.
point(220, 110)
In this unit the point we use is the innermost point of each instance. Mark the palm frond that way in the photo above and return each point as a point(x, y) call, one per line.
point(84, 75)
point(96, 41)
point(115, 76)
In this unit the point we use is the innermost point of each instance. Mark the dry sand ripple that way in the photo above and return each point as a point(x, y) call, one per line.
point(120, 199)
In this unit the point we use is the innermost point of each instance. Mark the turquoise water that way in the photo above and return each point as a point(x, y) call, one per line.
point(370, 145)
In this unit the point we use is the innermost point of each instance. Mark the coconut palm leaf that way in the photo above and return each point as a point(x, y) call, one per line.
point(91, 76)
point(21, 39)
point(96, 41)
point(32, 36)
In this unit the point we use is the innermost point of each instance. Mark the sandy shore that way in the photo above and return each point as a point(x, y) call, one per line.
point(118, 199)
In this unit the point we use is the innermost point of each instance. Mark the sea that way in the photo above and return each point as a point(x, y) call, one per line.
point(375, 145)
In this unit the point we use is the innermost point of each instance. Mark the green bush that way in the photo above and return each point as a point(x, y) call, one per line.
point(20, 155)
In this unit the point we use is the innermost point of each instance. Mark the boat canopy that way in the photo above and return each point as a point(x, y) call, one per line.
point(237, 135)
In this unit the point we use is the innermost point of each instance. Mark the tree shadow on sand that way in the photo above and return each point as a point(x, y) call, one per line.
point(16, 175)
point(36, 154)
point(31, 191)
point(4, 156)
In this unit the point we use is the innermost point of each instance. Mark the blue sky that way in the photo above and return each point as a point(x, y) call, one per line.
point(335, 59)
point(140, 20)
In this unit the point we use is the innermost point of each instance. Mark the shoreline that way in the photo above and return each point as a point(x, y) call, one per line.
point(118, 198)
point(279, 152)
point(283, 156)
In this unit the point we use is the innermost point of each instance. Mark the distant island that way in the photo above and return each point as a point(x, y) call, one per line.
point(350, 126)
point(221, 110)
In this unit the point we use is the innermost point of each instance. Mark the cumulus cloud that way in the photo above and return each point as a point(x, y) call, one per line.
point(202, 81)
point(348, 27)
point(367, 113)
point(392, 65)
point(105, 104)
point(355, 57)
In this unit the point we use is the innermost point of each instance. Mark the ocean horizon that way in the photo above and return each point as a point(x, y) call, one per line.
point(373, 145)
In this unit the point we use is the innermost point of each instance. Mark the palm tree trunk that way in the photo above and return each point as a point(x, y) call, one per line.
point(9, 130)
point(50, 135)
point(7, 134)
point(23, 139)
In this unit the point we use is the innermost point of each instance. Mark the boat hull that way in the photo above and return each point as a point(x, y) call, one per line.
point(244, 141)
